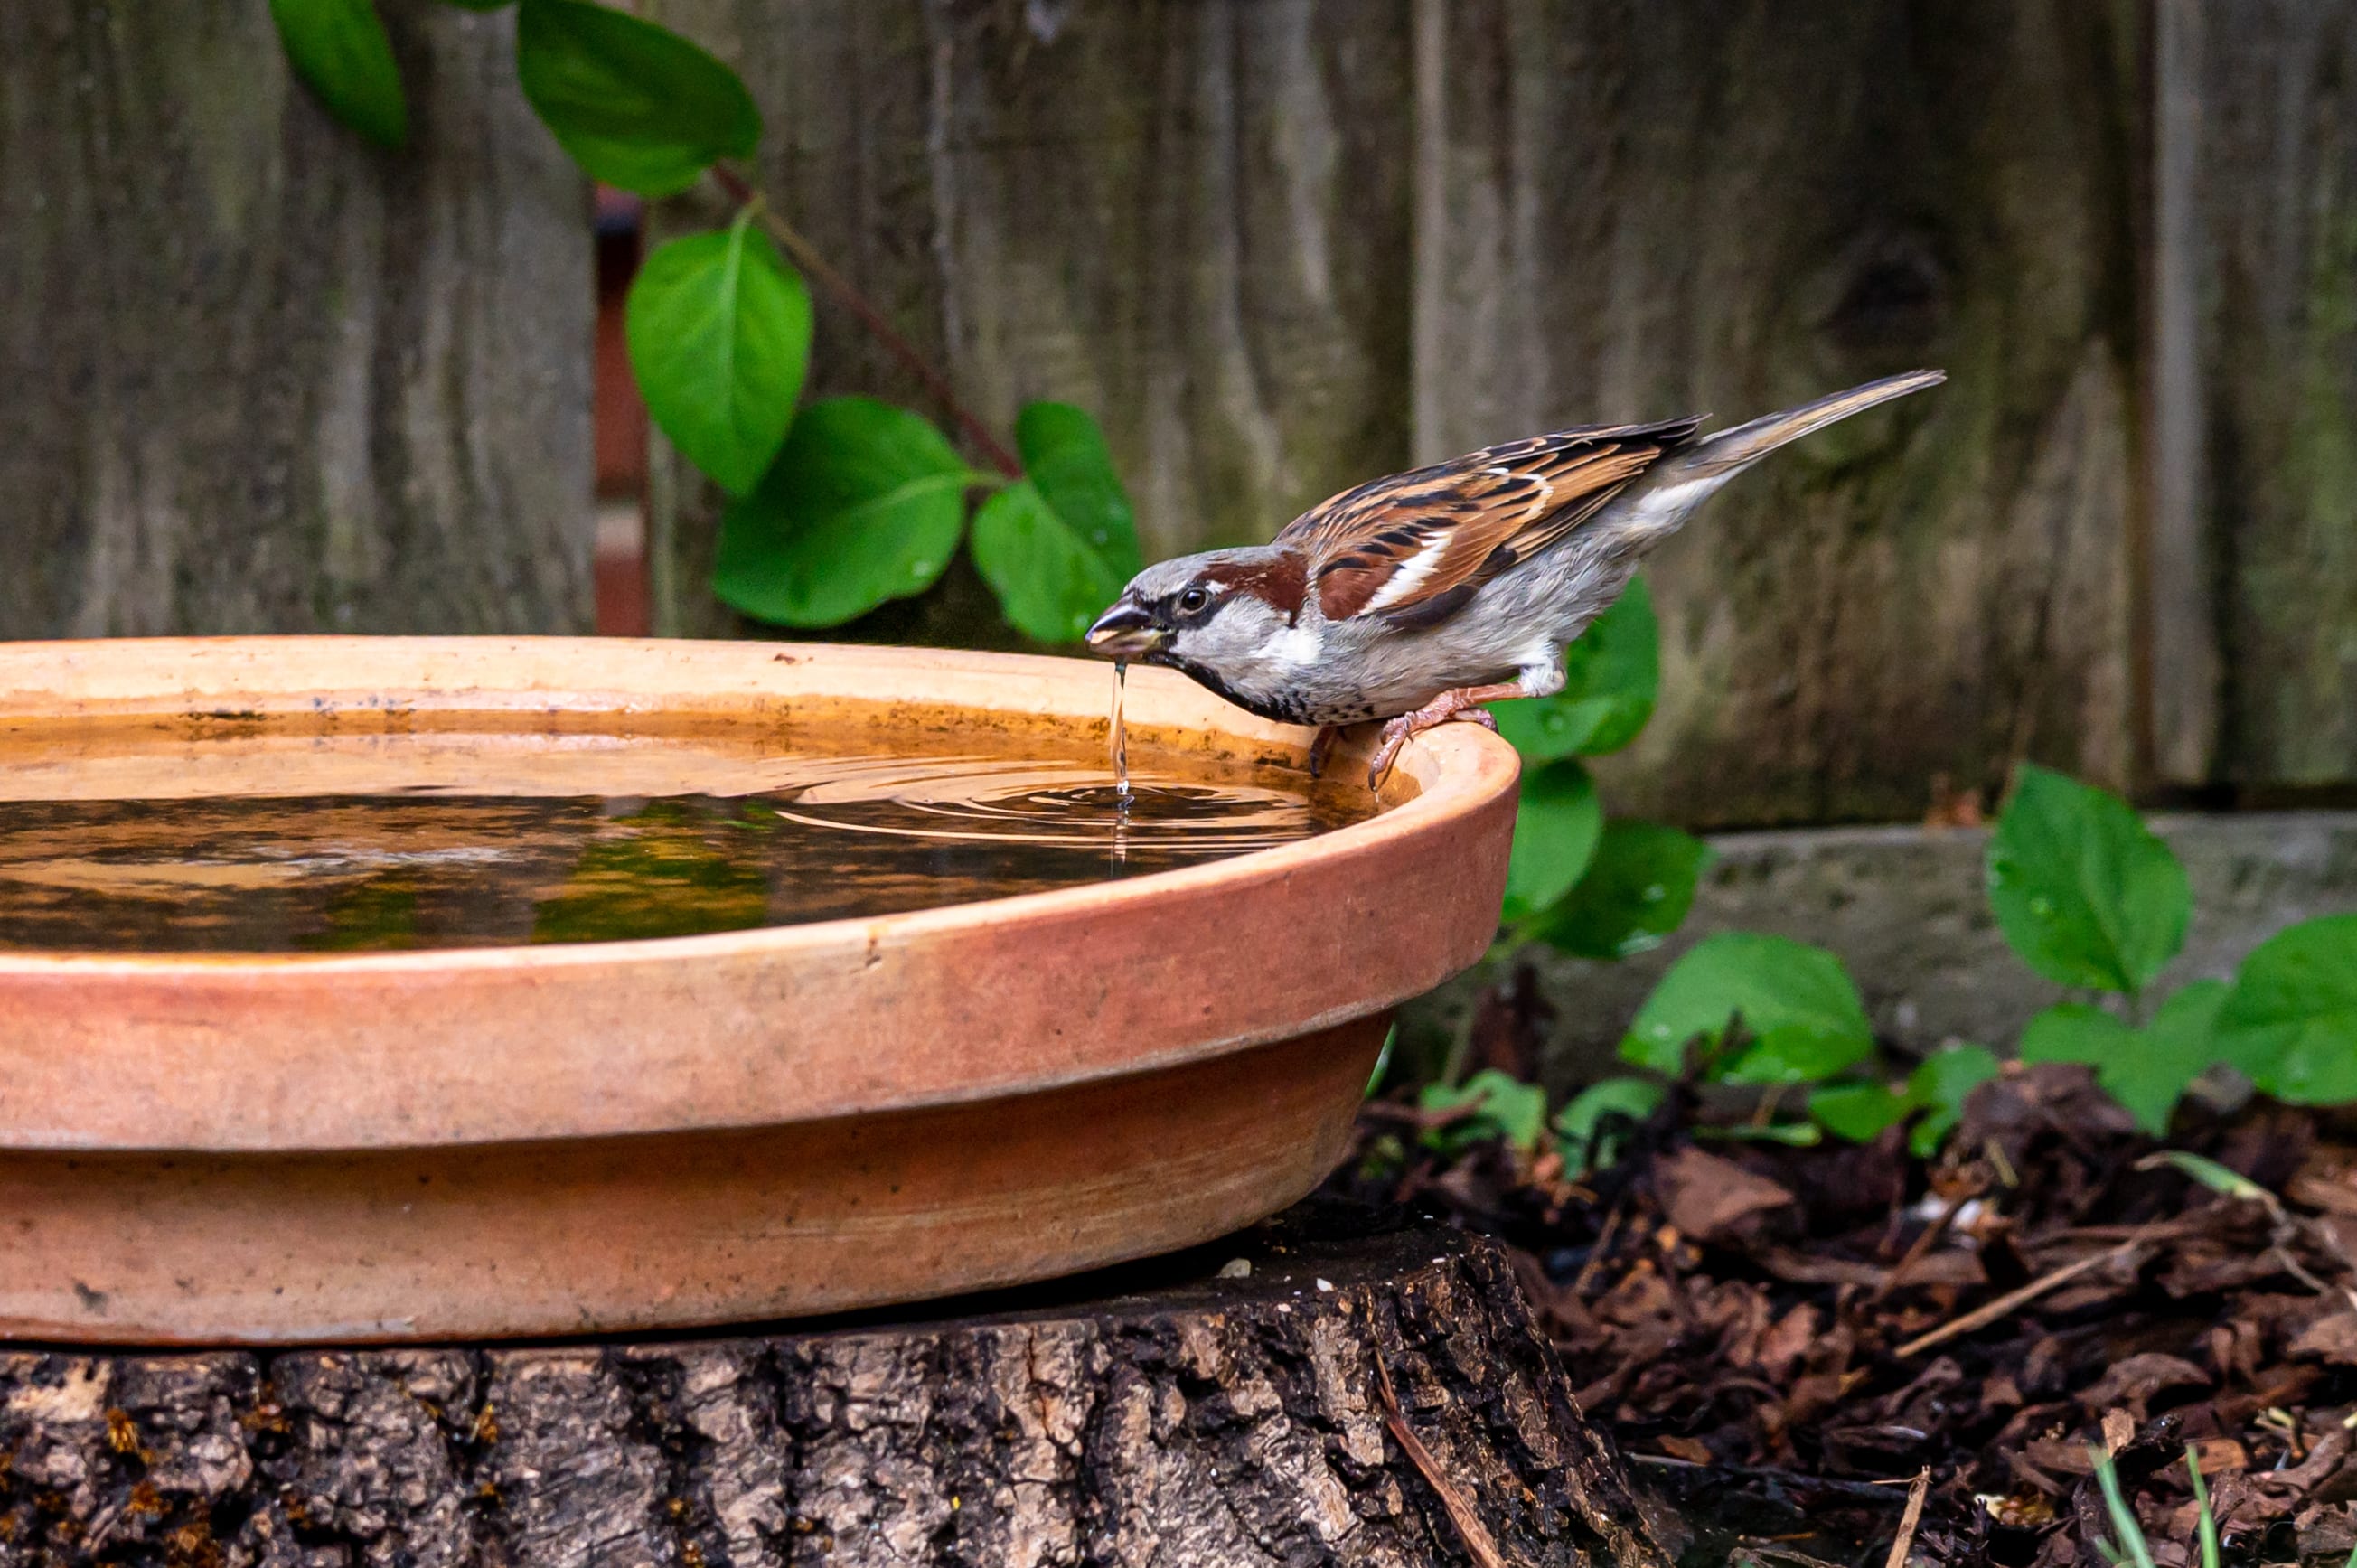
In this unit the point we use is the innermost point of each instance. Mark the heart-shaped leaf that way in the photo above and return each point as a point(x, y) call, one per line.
point(2083, 891)
point(863, 504)
point(1800, 1015)
point(1555, 830)
point(636, 105)
point(1634, 893)
point(2291, 1021)
point(339, 49)
point(1058, 545)
point(1612, 676)
point(719, 331)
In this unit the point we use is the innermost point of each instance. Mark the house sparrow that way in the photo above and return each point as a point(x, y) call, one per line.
point(1418, 598)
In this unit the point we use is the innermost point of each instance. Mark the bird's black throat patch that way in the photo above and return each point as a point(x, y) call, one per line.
point(1276, 710)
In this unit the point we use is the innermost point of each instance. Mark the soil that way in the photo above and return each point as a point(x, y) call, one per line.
point(1781, 1339)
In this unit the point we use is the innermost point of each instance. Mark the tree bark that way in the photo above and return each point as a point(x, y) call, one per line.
point(263, 377)
point(1187, 1419)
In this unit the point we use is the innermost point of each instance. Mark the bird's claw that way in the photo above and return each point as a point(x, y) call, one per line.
point(1449, 707)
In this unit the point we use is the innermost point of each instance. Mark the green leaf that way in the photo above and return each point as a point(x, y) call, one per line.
point(340, 47)
point(2178, 1045)
point(2147, 1069)
point(2077, 1031)
point(1612, 676)
point(1939, 1085)
point(1509, 1108)
point(1635, 892)
point(1059, 545)
point(1800, 1013)
point(1555, 831)
point(1859, 1111)
point(1065, 455)
point(2291, 1021)
point(2221, 1179)
point(1796, 1134)
point(2085, 892)
point(863, 504)
point(636, 105)
point(1581, 1133)
point(719, 332)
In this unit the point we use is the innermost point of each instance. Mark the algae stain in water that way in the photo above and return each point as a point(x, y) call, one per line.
point(434, 866)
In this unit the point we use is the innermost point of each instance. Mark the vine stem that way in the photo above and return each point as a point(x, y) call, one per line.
point(847, 294)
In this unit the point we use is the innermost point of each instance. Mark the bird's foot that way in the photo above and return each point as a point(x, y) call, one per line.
point(1461, 705)
point(1321, 747)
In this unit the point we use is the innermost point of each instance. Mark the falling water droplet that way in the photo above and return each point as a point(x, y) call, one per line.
point(1119, 734)
point(1120, 794)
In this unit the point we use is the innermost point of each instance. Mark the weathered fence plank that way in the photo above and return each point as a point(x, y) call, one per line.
point(1632, 211)
point(2264, 98)
point(1189, 217)
point(260, 377)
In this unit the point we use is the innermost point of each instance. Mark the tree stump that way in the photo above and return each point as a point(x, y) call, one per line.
point(1365, 1394)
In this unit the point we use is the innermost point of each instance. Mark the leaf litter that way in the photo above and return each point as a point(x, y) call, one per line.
point(1782, 1338)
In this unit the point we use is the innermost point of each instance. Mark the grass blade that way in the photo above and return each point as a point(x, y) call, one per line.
point(2131, 1533)
point(2209, 1522)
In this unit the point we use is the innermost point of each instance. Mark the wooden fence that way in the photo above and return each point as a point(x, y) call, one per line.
point(1281, 245)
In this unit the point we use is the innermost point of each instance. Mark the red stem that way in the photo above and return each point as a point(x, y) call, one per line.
point(847, 296)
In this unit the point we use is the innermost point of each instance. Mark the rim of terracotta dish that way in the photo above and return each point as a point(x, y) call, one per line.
point(1443, 779)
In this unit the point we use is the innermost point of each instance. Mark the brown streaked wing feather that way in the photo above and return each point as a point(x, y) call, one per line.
point(1456, 525)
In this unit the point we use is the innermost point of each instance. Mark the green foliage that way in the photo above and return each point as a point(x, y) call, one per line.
point(1058, 545)
point(2207, 1522)
point(2149, 1069)
point(2291, 1021)
point(1586, 1130)
point(2223, 1180)
point(1638, 886)
point(1937, 1089)
point(339, 49)
point(1507, 1108)
point(2132, 1548)
point(636, 105)
point(719, 333)
point(1800, 1017)
point(2083, 891)
point(1590, 888)
point(1612, 676)
point(863, 504)
point(1555, 831)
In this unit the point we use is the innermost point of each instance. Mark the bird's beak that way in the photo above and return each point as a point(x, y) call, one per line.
point(1126, 631)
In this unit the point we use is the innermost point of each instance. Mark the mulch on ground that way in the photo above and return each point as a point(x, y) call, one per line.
point(1782, 1338)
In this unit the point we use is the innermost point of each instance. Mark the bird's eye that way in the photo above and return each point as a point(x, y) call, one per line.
point(1193, 599)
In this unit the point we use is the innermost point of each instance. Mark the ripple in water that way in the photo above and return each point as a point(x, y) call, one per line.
point(428, 864)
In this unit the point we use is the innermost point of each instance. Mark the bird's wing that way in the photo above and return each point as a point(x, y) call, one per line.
point(1412, 547)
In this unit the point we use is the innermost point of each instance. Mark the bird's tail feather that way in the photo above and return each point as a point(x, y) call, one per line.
point(1720, 455)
